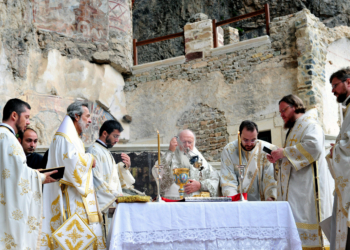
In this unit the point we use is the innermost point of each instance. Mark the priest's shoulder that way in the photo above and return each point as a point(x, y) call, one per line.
point(231, 145)
point(5, 133)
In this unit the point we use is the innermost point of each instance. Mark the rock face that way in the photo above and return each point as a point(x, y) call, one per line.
point(54, 52)
point(163, 17)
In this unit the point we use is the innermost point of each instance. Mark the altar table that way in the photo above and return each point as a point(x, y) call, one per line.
point(204, 225)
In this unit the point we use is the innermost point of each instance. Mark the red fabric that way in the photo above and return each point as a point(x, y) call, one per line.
point(168, 200)
point(237, 197)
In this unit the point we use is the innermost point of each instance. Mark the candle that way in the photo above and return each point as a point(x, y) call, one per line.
point(158, 148)
point(239, 148)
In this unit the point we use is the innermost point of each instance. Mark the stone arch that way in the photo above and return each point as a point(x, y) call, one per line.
point(210, 126)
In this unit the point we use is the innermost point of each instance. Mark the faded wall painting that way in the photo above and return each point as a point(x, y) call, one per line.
point(85, 20)
point(119, 15)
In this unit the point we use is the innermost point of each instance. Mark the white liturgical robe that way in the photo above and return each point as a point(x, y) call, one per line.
point(74, 193)
point(339, 167)
point(208, 177)
point(305, 181)
point(258, 181)
point(109, 178)
point(20, 196)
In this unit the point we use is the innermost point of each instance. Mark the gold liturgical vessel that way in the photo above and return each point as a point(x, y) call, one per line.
point(181, 176)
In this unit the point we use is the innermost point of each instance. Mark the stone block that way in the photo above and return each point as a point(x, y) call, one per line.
point(199, 65)
point(266, 57)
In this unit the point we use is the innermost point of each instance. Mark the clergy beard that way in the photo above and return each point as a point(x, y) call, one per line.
point(82, 126)
point(341, 97)
point(289, 124)
point(182, 158)
point(109, 142)
point(246, 148)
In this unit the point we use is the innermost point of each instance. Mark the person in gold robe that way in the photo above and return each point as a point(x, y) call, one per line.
point(338, 162)
point(258, 181)
point(75, 192)
point(303, 178)
point(20, 186)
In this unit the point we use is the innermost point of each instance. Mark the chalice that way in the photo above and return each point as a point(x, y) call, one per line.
point(241, 176)
point(181, 178)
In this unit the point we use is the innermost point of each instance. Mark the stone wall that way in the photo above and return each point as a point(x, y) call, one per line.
point(164, 17)
point(210, 127)
point(54, 52)
point(244, 80)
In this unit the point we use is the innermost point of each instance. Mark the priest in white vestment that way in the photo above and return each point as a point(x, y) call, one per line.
point(338, 161)
point(204, 179)
point(20, 186)
point(109, 177)
point(258, 182)
point(75, 192)
point(303, 177)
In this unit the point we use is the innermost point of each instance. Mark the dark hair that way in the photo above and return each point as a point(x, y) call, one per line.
point(21, 134)
point(14, 105)
point(249, 125)
point(294, 101)
point(76, 108)
point(342, 74)
point(110, 126)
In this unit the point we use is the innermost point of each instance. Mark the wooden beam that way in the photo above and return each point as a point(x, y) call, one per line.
point(159, 39)
point(240, 18)
point(215, 34)
point(267, 18)
point(134, 48)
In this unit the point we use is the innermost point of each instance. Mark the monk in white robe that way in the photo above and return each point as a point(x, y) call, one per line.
point(303, 176)
point(258, 182)
point(338, 161)
point(109, 177)
point(20, 186)
point(75, 193)
point(204, 179)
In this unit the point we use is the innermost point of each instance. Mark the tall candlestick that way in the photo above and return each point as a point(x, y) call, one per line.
point(239, 148)
point(158, 148)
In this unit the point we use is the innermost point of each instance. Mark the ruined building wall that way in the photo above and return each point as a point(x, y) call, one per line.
point(162, 17)
point(53, 52)
point(241, 81)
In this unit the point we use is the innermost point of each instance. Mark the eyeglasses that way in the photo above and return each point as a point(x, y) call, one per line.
point(187, 142)
point(335, 85)
point(284, 110)
point(247, 141)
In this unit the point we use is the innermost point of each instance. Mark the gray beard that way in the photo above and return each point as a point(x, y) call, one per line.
point(182, 158)
point(82, 126)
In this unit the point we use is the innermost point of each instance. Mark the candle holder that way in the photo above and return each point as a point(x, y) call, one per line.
point(241, 169)
point(159, 198)
point(181, 176)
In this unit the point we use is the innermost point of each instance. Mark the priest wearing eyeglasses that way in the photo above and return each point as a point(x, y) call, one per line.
point(258, 179)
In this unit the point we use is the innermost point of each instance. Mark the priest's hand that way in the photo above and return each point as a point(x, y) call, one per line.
point(173, 144)
point(331, 150)
point(49, 179)
point(126, 160)
point(192, 186)
point(270, 199)
point(270, 158)
point(94, 163)
point(277, 154)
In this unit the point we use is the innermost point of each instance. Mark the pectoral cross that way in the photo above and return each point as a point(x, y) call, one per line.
point(293, 139)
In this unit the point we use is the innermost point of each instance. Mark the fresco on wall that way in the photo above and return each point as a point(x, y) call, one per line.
point(119, 15)
point(85, 20)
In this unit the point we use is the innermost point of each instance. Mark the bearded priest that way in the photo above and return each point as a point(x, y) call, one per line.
point(203, 181)
point(75, 193)
point(109, 178)
point(259, 182)
point(20, 186)
point(303, 177)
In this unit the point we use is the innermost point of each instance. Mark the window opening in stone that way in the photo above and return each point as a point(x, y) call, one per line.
point(265, 136)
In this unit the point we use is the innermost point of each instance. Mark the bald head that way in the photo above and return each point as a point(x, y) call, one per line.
point(187, 138)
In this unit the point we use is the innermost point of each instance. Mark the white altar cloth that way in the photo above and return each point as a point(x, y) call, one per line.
point(204, 225)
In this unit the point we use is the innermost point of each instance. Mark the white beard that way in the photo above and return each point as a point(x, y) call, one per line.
point(182, 158)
